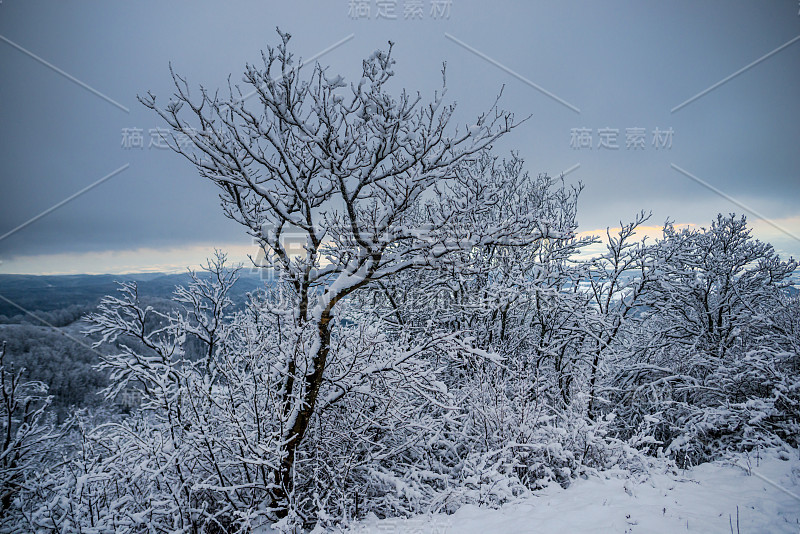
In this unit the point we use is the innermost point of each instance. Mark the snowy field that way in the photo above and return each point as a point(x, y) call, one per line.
point(717, 497)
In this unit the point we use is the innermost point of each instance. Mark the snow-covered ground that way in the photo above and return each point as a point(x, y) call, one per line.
point(716, 497)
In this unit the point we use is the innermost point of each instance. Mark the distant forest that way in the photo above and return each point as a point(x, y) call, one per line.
point(62, 357)
point(72, 295)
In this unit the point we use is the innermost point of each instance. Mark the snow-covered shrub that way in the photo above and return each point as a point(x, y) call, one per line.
point(27, 435)
point(713, 365)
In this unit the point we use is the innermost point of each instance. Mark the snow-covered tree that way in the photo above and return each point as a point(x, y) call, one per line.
point(367, 181)
point(618, 282)
point(26, 432)
point(708, 349)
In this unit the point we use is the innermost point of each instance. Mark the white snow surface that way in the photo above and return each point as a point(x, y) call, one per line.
point(703, 499)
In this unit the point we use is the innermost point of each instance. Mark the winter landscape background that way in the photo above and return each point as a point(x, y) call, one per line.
point(401, 266)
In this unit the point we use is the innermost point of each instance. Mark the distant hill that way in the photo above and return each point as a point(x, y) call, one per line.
point(61, 357)
point(51, 293)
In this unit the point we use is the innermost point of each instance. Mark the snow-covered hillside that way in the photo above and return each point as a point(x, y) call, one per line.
point(741, 495)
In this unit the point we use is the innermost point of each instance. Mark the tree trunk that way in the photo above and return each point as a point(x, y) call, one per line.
point(294, 436)
point(591, 408)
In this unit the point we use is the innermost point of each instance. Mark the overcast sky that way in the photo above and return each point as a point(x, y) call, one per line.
point(582, 70)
